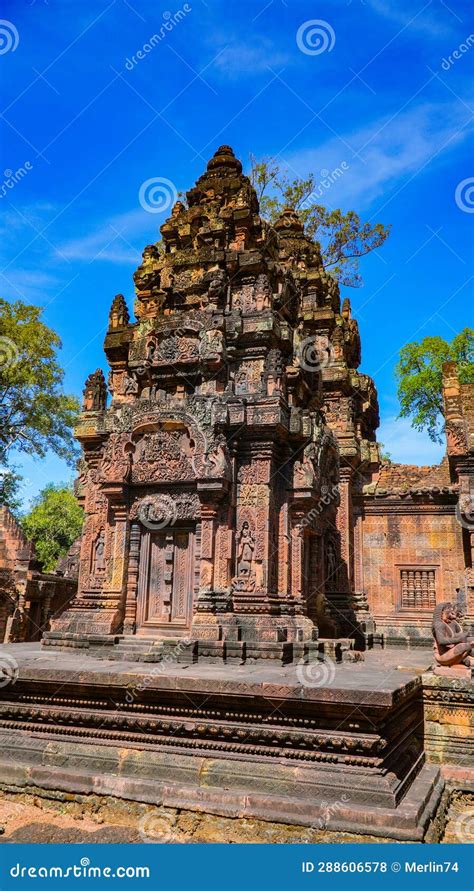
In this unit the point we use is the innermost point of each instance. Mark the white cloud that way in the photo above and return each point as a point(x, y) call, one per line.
point(241, 59)
point(111, 239)
point(29, 285)
point(392, 148)
point(410, 17)
point(406, 445)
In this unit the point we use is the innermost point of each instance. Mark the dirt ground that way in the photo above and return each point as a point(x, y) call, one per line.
point(39, 820)
point(29, 823)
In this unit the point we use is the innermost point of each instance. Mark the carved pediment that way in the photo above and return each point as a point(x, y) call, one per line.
point(163, 455)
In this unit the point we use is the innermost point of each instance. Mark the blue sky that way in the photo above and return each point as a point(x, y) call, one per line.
point(93, 116)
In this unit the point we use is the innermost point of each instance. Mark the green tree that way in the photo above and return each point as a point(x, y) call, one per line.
point(385, 456)
point(419, 374)
point(10, 484)
point(35, 414)
point(343, 237)
point(53, 523)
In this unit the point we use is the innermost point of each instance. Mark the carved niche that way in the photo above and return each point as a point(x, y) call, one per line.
point(245, 579)
point(211, 347)
point(216, 460)
point(305, 470)
point(317, 467)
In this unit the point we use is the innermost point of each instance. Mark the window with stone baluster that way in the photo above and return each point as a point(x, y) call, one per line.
point(417, 588)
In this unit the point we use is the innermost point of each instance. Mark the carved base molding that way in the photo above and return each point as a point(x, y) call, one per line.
point(410, 629)
point(262, 746)
point(449, 720)
point(192, 650)
point(288, 796)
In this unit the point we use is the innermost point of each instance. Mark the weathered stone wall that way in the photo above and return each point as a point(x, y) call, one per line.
point(28, 597)
point(393, 537)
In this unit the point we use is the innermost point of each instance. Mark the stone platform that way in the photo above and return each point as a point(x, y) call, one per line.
point(318, 744)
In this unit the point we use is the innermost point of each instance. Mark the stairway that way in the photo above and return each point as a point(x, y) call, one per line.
point(136, 649)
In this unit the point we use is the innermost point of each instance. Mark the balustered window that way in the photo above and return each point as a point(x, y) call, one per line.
point(418, 588)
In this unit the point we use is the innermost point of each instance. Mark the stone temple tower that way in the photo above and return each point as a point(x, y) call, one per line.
point(210, 479)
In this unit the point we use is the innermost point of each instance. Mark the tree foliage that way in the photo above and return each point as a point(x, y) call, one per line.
point(10, 485)
point(53, 523)
point(343, 237)
point(419, 374)
point(35, 414)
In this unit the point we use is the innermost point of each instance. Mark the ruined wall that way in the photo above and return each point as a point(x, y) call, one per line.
point(28, 597)
point(414, 529)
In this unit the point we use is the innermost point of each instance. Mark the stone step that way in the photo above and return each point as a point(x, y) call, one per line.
point(136, 645)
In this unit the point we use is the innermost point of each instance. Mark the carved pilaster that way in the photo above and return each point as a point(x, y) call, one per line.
point(297, 557)
point(132, 580)
point(256, 534)
point(209, 517)
point(344, 522)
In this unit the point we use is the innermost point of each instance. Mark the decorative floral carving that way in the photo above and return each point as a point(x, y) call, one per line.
point(163, 509)
point(117, 459)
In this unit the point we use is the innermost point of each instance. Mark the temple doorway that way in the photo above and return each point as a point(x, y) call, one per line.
point(165, 581)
